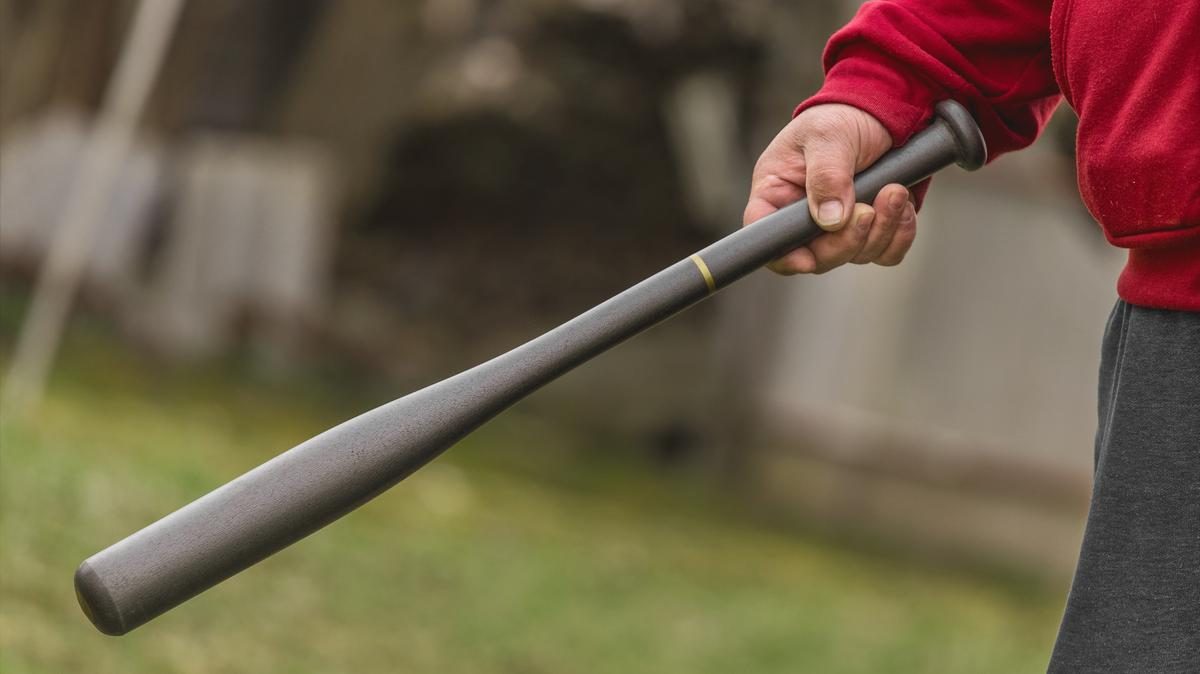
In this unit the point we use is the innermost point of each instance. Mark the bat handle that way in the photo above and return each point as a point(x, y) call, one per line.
point(952, 138)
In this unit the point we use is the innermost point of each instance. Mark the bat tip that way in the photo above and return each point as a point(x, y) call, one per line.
point(96, 601)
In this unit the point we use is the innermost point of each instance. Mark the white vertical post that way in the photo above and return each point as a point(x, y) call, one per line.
point(106, 150)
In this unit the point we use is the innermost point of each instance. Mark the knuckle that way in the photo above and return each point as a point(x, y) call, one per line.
point(771, 180)
point(872, 250)
point(832, 262)
point(828, 176)
point(764, 184)
point(842, 256)
point(864, 226)
point(823, 131)
point(858, 234)
point(830, 125)
point(784, 266)
point(889, 225)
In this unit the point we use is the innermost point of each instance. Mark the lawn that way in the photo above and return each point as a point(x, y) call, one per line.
point(526, 549)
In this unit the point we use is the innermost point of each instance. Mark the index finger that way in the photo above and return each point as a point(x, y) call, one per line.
point(769, 194)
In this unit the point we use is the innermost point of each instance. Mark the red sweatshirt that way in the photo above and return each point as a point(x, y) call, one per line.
point(1131, 70)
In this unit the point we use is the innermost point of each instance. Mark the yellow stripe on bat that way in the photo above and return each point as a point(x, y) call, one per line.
point(708, 277)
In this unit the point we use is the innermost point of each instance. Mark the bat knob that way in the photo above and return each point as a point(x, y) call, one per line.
point(96, 602)
point(971, 149)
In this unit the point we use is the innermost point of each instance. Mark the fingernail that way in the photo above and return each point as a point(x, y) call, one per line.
point(864, 220)
point(910, 213)
point(829, 213)
point(896, 201)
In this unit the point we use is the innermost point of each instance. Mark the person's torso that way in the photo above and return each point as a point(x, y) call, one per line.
point(1131, 70)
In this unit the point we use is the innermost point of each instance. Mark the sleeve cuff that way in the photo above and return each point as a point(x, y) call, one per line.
point(869, 81)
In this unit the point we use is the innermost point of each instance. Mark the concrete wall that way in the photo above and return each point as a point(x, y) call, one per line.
point(969, 369)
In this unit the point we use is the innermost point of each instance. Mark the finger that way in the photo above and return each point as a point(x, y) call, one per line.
point(777, 184)
point(906, 233)
point(889, 208)
point(837, 248)
point(829, 180)
point(799, 261)
point(768, 195)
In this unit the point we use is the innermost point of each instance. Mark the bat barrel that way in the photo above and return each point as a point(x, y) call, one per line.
point(318, 481)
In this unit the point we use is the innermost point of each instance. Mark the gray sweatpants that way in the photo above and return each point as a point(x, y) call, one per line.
point(1135, 601)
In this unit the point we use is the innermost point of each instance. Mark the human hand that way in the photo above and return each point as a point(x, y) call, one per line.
point(817, 154)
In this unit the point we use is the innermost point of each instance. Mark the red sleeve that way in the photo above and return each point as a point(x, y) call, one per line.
point(897, 58)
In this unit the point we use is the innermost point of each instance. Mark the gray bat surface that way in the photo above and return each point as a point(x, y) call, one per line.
point(322, 479)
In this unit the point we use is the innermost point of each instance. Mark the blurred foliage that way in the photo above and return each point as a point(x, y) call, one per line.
point(523, 550)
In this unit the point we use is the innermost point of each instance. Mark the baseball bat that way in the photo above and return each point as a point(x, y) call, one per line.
point(326, 477)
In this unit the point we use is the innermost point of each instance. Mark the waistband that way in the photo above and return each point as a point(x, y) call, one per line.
point(1166, 277)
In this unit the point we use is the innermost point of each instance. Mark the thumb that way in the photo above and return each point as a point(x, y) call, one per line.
point(829, 182)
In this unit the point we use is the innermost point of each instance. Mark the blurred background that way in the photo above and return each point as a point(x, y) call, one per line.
point(249, 220)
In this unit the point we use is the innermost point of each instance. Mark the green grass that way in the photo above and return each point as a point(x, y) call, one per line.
point(527, 549)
